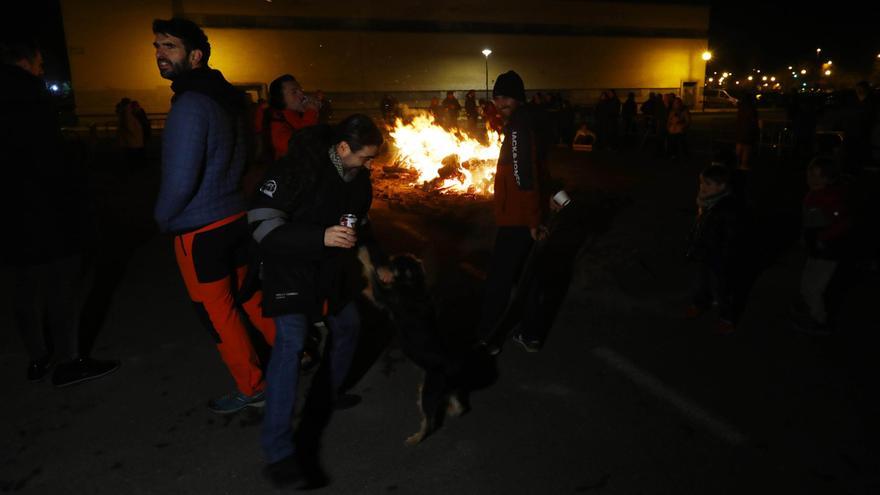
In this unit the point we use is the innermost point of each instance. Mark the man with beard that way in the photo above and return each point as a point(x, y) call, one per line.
point(520, 202)
point(201, 203)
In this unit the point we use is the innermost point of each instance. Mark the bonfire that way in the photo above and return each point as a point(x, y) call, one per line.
point(449, 161)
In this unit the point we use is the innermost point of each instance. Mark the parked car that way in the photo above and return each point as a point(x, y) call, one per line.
point(718, 98)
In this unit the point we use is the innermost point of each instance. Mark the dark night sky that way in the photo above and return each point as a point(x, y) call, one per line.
point(747, 35)
point(742, 35)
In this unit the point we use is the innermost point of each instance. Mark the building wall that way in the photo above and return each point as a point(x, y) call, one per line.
point(609, 46)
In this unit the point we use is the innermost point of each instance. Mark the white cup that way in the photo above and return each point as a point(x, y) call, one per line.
point(561, 198)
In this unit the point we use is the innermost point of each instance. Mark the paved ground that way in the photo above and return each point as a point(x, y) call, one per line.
point(626, 397)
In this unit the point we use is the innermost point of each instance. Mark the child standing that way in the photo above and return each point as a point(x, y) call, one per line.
point(713, 246)
point(826, 227)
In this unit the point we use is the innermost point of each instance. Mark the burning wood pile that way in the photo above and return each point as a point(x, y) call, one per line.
point(430, 161)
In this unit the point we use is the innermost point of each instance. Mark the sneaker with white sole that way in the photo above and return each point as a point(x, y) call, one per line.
point(490, 348)
point(235, 402)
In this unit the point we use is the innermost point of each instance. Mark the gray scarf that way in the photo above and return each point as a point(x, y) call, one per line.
point(347, 175)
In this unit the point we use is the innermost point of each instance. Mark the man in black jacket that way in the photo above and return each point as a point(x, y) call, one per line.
point(45, 192)
point(309, 267)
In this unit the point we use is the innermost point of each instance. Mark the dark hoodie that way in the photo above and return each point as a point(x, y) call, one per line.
point(203, 153)
point(521, 176)
point(211, 83)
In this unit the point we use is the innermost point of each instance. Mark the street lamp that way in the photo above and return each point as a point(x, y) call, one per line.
point(487, 52)
point(707, 56)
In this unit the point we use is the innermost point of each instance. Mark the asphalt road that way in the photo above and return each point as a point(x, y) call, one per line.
point(625, 398)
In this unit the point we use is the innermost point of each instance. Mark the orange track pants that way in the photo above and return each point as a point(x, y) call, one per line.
point(213, 263)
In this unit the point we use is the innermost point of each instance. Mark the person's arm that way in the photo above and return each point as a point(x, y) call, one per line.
point(184, 141)
point(523, 154)
point(270, 221)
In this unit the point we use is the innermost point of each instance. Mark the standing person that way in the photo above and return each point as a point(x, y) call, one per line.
point(44, 190)
point(289, 111)
point(714, 246)
point(614, 119)
point(747, 131)
point(200, 202)
point(827, 224)
point(677, 125)
point(310, 266)
point(130, 132)
point(452, 108)
point(387, 108)
point(520, 202)
point(436, 110)
point(141, 115)
point(493, 120)
point(628, 114)
point(661, 117)
point(600, 117)
point(471, 109)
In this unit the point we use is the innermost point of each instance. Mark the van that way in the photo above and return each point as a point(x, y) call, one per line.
point(718, 98)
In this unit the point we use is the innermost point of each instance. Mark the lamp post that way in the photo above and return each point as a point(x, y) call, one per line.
point(487, 52)
point(707, 56)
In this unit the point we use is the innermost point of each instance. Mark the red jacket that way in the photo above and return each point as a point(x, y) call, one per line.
point(282, 125)
point(827, 221)
point(521, 175)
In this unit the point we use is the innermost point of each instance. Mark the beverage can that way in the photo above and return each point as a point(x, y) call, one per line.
point(348, 220)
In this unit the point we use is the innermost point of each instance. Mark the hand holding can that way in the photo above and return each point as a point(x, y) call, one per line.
point(348, 220)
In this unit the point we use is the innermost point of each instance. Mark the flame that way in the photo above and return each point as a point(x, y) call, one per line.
point(466, 164)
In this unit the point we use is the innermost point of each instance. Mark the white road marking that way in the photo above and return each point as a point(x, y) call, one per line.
point(686, 406)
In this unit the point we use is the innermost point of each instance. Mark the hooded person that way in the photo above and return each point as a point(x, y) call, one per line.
point(520, 203)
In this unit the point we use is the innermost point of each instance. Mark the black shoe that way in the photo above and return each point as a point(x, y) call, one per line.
point(81, 370)
point(313, 475)
point(346, 401)
point(38, 370)
point(283, 473)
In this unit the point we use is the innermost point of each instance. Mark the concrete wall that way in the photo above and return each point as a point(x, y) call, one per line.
point(606, 45)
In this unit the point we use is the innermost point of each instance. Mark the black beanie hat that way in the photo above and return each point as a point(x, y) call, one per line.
point(509, 84)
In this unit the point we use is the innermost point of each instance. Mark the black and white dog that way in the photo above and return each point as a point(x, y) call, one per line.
point(450, 374)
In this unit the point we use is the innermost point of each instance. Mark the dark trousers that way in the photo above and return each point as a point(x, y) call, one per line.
point(512, 247)
point(678, 145)
point(712, 283)
point(283, 373)
point(47, 307)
